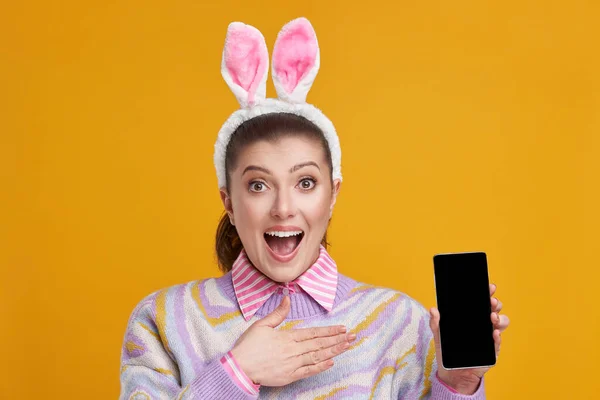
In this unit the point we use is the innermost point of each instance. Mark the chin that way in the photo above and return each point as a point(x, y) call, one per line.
point(284, 272)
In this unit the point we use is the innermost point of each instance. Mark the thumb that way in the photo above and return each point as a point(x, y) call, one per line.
point(278, 315)
point(434, 324)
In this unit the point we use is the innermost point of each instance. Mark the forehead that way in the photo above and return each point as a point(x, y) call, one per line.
point(282, 153)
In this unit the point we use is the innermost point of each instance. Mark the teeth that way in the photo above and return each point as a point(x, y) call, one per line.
point(284, 234)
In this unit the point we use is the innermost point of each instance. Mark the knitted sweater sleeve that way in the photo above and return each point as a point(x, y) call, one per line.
point(149, 369)
point(428, 385)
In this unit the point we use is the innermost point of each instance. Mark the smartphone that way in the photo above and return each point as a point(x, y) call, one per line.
point(463, 299)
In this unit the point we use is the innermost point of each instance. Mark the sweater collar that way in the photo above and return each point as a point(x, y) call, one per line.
point(252, 288)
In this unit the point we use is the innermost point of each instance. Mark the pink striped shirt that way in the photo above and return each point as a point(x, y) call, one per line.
point(238, 376)
point(253, 288)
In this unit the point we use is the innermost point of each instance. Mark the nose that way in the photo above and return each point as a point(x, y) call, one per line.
point(283, 205)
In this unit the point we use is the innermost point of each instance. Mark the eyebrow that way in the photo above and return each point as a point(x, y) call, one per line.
point(293, 169)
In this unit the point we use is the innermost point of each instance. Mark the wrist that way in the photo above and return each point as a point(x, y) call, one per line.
point(249, 375)
point(462, 385)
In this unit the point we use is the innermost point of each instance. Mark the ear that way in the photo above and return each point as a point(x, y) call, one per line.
point(245, 63)
point(296, 60)
point(337, 185)
point(226, 200)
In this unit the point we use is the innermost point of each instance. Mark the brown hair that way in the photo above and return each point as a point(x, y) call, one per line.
point(267, 127)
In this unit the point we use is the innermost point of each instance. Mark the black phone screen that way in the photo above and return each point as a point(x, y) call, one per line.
point(463, 299)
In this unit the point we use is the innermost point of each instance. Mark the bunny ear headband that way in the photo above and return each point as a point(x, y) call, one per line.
point(245, 65)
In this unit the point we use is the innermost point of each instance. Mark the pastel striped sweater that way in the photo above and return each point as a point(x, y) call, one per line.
point(177, 340)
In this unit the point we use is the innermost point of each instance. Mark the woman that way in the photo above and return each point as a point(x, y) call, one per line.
point(273, 324)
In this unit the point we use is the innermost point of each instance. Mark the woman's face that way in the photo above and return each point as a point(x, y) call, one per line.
point(280, 201)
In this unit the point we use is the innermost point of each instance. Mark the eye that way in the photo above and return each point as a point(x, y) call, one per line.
point(257, 186)
point(307, 183)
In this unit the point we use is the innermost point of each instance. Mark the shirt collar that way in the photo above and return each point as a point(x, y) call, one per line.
point(253, 288)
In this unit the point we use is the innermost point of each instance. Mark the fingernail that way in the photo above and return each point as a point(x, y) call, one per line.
point(343, 329)
point(345, 345)
point(351, 336)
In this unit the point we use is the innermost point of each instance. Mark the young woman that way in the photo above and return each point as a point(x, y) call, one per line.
point(283, 322)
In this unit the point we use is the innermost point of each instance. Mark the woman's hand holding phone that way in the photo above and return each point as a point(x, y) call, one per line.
point(276, 358)
point(466, 381)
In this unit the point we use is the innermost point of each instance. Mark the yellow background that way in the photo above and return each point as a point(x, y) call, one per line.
point(465, 125)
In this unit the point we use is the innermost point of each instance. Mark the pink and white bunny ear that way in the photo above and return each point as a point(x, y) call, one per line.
point(296, 60)
point(245, 63)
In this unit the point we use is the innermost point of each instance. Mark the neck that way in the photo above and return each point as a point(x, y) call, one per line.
point(302, 304)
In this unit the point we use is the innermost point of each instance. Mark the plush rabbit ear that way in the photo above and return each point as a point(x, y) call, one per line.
point(245, 63)
point(295, 60)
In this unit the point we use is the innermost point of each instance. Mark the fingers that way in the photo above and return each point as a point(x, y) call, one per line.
point(319, 343)
point(300, 335)
point(500, 321)
point(496, 304)
point(497, 341)
point(310, 370)
point(319, 356)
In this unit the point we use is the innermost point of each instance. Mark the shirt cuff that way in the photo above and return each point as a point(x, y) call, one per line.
point(238, 375)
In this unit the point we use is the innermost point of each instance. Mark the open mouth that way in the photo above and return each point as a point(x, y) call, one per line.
point(283, 244)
